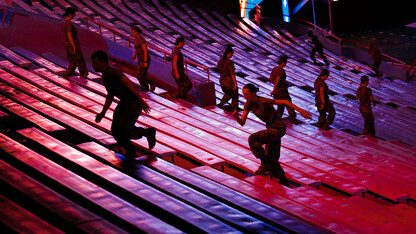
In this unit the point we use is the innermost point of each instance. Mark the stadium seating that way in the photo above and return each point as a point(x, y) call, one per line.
point(340, 182)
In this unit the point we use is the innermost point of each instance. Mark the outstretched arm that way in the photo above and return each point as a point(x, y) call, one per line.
point(303, 112)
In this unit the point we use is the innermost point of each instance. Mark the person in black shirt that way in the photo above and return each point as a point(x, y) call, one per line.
point(128, 109)
point(317, 47)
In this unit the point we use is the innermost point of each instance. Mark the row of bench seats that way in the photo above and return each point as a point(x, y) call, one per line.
point(219, 112)
point(356, 115)
point(168, 104)
point(144, 222)
point(297, 71)
point(230, 214)
point(238, 163)
point(63, 150)
point(345, 81)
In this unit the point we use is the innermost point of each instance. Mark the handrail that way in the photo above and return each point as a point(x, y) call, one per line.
point(4, 16)
point(413, 65)
point(342, 41)
point(130, 39)
point(323, 31)
point(411, 68)
point(366, 47)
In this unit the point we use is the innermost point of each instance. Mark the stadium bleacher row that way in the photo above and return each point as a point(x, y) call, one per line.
point(62, 172)
point(254, 62)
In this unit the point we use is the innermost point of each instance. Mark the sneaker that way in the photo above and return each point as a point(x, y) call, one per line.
point(151, 137)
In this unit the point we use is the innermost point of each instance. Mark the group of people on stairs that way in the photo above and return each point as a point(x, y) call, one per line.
point(131, 103)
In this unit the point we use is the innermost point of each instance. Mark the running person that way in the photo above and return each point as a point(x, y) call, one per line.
point(128, 109)
point(263, 108)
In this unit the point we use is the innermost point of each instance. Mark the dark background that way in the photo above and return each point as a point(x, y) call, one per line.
point(346, 14)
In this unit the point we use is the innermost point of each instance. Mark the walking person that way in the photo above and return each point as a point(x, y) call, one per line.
point(263, 108)
point(322, 101)
point(317, 47)
point(128, 109)
point(178, 70)
point(366, 98)
point(72, 47)
point(143, 60)
point(377, 59)
point(228, 80)
point(278, 78)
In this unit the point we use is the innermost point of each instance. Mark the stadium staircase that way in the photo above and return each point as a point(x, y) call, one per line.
point(62, 172)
